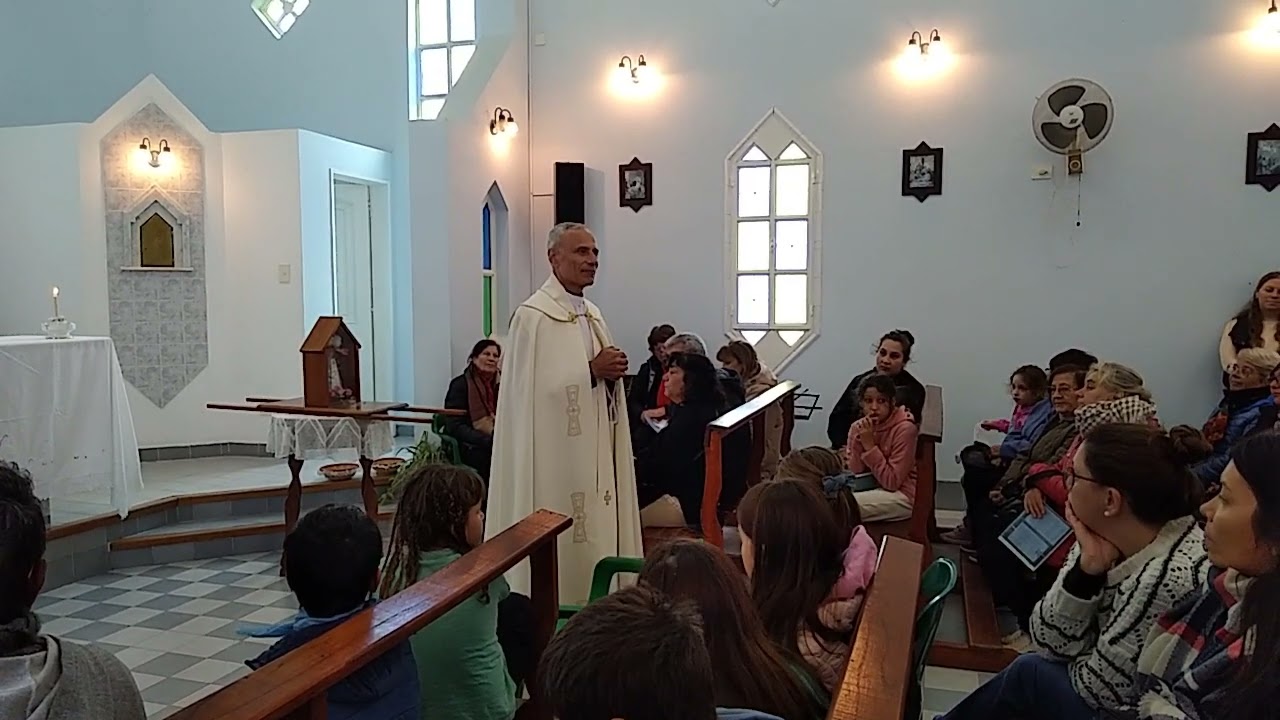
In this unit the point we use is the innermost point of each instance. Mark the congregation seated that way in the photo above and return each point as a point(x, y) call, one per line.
point(472, 661)
point(647, 391)
point(331, 565)
point(883, 443)
point(1239, 411)
point(740, 357)
point(671, 461)
point(475, 391)
point(735, 393)
point(1214, 655)
point(892, 355)
point(1257, 325)
point(1138, 553)
point(42, 676)
point(794, 553)
point(762, 675)
point(634, 655)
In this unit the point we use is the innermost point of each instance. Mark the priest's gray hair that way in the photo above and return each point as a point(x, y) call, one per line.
point(559, 231)
point(687, 343)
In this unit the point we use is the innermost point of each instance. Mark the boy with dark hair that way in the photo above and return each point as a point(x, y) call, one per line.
point(633, 655)
point(331, 564)
point(42, 677)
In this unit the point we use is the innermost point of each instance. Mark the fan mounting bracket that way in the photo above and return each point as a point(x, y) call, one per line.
point(1075, 162)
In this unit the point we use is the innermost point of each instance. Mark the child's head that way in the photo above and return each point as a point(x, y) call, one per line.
point(440, 508)
point(760, 677)
point(1027, 385)
point(877, 397)
point(331, 560)
point(22, 543)
point(632, 655)
point(824, 468)
point(793, 551)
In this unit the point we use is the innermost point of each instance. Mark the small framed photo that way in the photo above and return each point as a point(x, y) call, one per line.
point(635, 184)
point(1263, 160)
point(922, 172)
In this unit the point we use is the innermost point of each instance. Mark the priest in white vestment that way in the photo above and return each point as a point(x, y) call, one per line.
point(561, 439)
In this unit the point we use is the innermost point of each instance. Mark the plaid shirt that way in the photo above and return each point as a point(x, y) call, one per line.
point(1191, 652)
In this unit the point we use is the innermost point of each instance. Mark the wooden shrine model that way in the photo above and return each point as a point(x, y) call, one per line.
point(330, 365)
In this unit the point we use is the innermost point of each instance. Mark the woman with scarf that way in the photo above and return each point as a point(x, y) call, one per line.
point(475, 392)
point(741, 358)
point(1240, 410)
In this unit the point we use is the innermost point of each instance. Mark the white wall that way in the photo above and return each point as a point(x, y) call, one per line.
point(40, 235)
point(990, 275)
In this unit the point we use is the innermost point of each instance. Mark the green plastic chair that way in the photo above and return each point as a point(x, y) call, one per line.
point(936, 584)
point(448, 443)
point(601, 581)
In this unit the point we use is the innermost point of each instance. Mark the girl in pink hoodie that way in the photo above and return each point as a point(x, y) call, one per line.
point(883, 443)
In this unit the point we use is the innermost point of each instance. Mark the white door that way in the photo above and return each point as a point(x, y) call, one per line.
point(353, 274)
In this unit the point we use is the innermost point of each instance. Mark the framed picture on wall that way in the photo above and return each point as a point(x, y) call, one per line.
point(921, 172)
point(1263, 159)
point(635, 184)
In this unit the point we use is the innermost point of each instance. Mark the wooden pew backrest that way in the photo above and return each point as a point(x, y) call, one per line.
point(295, 685)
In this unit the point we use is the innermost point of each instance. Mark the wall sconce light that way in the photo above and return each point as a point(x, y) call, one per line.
point(163, 147)
point(503, 122)
point(917, 45)
point(1271, 22)
point(636, 71)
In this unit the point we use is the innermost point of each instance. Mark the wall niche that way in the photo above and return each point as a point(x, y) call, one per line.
point(158, 235)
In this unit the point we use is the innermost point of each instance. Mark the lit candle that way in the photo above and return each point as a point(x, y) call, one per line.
point(55, 302)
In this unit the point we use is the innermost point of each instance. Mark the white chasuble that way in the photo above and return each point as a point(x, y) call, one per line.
point(561, 444)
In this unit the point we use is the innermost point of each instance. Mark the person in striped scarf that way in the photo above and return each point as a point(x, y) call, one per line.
point(1217, 654)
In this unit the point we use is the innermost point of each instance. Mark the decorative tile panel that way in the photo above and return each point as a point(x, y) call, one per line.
point(159, 316)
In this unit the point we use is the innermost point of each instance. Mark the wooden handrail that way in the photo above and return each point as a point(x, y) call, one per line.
point(750, 411)
point(931, 420)
point(295, 685)
point(878, 675)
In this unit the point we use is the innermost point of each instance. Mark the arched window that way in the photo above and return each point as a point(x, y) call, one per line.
point(488, 280)
point(774, 180)
point(495, 266)
point(443, 36)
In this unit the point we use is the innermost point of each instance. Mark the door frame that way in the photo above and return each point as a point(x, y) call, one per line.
point(380, 264)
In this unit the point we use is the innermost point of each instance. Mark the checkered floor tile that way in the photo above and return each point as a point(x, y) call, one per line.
point(174, 625)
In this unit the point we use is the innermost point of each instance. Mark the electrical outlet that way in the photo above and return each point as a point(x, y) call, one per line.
point(284, 274)
point(1042, 172)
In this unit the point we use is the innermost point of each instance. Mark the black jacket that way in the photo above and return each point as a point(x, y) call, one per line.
point(459, 426)
point(847, 409)
point(643, 394)
point(674, 460)
point(735, 393)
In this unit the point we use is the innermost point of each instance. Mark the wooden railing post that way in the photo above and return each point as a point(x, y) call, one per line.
point(317, 708)
point(545, 589)
point(711, 490)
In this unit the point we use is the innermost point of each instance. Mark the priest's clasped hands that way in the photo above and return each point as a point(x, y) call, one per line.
point(609, 364)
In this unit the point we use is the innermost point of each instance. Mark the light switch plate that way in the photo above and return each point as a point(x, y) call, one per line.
point(284, 274)
point(1042, 172)
point(540, 39)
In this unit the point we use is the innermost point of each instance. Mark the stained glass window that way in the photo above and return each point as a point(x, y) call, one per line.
point(486, 268)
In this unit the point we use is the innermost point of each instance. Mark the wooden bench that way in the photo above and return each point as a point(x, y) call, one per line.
point(294, 687)
point(752, 411)
point(982, 650)
point(921, 527)
point(877, 678)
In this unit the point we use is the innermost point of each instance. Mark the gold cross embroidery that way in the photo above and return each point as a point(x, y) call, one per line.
point(608, 497)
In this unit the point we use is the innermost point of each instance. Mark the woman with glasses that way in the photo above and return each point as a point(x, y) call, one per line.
point(1238, 413)
point(1138, 553)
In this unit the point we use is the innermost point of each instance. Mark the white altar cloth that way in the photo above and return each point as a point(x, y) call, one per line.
point(64, 417)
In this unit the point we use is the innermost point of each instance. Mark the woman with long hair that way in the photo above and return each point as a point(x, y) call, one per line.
point(793, 551)
point(1257, 325)
point(751, 670)
point(671, 461)
point(475, 392)
point(1217, 655)
point(893, 354)
point(741, 358)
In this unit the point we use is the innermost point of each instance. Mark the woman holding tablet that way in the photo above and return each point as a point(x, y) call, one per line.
point(1138, 553)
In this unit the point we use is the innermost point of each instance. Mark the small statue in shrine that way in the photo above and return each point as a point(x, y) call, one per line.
point(338, 391)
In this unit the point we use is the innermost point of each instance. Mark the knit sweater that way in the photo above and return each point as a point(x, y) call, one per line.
point(1098, 624)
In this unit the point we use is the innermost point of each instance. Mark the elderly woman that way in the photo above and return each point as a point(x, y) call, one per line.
point(1257, 325)
point(475, 392)
point(741, 358)
point(1240, 410)
point(892, 355)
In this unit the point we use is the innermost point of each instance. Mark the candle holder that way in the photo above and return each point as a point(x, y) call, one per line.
point(58, 328)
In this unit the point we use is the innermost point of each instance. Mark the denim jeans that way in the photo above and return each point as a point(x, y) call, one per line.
point(1033, 687)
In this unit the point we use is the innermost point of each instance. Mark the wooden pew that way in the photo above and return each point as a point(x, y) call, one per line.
point(982, 650)
point(294, 687)
point(921, 527)
point(877, 677)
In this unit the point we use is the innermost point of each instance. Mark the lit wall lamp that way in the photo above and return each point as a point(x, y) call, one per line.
point(636, 71)
point(163, 147)
point(1272, 21)
point(918, 45)
point(503, 122)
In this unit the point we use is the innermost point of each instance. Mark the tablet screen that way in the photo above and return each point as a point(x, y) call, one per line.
point(1033, 540)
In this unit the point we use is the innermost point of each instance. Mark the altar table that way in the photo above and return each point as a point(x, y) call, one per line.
point(64, 417)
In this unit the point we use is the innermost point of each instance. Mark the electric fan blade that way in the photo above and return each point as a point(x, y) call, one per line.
point(1095, 119)
point(1062, 97)
point(1057, 134)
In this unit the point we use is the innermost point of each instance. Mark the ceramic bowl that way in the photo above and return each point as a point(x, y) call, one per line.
point(339, 471)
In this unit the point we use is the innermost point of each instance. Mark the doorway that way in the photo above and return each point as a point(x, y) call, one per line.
point(361, 272)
